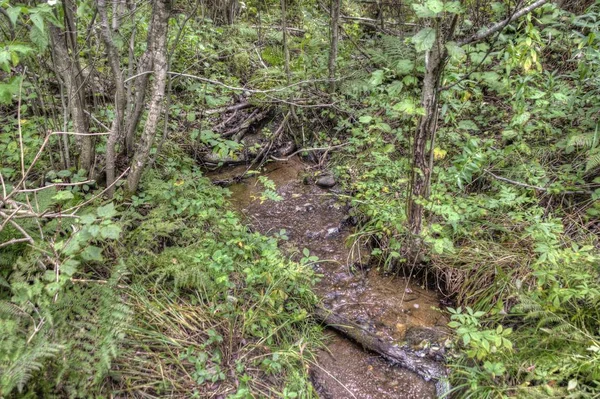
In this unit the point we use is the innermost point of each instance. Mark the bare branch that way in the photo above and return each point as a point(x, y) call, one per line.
point(520, 184)
point(502, 24)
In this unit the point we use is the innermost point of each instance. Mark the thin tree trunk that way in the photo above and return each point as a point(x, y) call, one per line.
point(140, 86)
point(435, 60)
point(118, 122)
point(68, 71)
point(162, 9)
point(333, 51)
point(286, 50)
point(425, 134)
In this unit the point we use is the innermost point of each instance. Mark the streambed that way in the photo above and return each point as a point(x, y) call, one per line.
point(394, 309)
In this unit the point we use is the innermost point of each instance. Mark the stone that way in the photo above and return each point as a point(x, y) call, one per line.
point(326, 181)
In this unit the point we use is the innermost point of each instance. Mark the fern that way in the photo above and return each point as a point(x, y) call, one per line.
point(589, 142)
point(28, 361)
point(593, 160)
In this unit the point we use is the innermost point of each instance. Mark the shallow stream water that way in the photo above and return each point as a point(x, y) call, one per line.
point(394, 309)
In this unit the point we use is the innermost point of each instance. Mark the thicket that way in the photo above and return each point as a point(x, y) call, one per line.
point(164, 292)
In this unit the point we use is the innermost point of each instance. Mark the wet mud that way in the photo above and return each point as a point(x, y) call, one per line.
point(394, 309)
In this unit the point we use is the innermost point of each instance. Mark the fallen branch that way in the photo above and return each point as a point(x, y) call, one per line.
point(520, 184)
point(427, 369)
point(309, 149)
point(241, 129)
point(230, 108)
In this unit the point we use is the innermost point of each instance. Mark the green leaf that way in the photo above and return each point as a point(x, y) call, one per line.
point(5, 60)
point(468, 125)
point(107, 211)
point(38, 21)
point(436, 6)
point(521, 118)
point(13, 14)
point(63, 195)
point(453, 7)
point(376, 78)
point(92, 253)
point(39, 38)
point(111, 231)
point(424, 39)
point(423, 11)
point(88, 218)
point(455, 51)
point(365, 119)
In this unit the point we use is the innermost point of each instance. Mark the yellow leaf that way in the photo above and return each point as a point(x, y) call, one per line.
point(438, 153)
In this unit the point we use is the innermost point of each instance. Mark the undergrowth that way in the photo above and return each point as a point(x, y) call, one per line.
point(186, 303)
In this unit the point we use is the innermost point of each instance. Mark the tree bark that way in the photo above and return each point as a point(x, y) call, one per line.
point(118, 122)
point(141, 84)
point(70, 73)
point(162, 9)
point(425, 135)
point(333, 51)
point(286, 50)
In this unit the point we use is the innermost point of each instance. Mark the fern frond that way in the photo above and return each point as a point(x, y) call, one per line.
point(593, 161)
point(27, 363)
point(10, 309)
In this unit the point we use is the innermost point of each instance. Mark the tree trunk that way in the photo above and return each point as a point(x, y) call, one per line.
point(425, 136)
point(118, 122)
point(70, 73)
point(162, 9)
point(140, 86)
point(333, 51)
point(286, 50)
point(435, 60)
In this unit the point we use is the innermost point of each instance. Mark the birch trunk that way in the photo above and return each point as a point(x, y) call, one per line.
point(162, 9)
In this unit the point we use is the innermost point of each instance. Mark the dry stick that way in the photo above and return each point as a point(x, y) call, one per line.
point(216, 82)
point(227, 109)
point(19, 129)
point(16, 226)
point(10, 217)
point(520, 184)
point(309, 149)
point(82, 134)
point(506, 22)
point(34, 190)
point(77, 207)
point(500, 25)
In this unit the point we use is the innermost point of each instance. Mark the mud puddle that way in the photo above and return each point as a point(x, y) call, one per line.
point(394, 309)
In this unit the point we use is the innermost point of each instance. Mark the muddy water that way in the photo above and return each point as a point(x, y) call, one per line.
point(393, 308)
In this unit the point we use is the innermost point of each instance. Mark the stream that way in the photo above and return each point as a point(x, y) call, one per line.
point(394, 309)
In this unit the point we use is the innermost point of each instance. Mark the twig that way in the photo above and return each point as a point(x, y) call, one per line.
point(221, 110)
point(500, 25)
point(13, 241)
point(19, 129)
point(520, 184)
point(33, 190)
point(96, 120)
point(309, 149)
point(216, 82)
point(77, 207)
point(82, 134)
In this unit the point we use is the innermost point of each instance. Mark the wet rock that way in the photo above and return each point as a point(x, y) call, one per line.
point(332, 232)
point(308, 207)
point(423, 336)
point(326, 181)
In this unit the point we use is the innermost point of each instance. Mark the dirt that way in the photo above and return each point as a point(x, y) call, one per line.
point(395, 309)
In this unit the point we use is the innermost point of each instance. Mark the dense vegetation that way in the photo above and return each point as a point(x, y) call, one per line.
point(465, 133)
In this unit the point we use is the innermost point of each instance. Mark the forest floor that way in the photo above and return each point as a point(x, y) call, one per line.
point(315, 224)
